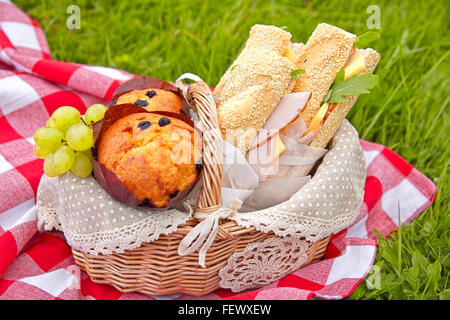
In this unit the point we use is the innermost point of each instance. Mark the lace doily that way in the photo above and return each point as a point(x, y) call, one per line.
point(328, 203)
point(262, 263)
point(95, 223)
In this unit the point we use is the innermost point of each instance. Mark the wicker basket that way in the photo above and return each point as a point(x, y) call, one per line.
point(156, 268)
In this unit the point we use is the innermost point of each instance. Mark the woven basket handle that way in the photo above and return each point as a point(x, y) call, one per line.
point(199, 96)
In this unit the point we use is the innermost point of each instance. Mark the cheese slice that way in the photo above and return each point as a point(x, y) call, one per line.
point(354, 65)
point(279, 146)
point(288, 53)
point(317, 119)
point(262, 158)
point(285, 113)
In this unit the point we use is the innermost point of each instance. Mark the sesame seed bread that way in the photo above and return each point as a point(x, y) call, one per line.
point(297, 47)
point(337, 116)
point(251, 88)
point(322, 57)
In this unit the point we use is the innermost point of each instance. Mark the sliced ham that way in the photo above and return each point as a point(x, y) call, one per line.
point(286, 111)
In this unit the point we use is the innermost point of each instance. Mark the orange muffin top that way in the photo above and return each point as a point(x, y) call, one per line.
point(152, 100)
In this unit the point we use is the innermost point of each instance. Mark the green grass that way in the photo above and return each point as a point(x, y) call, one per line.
point(407, 112)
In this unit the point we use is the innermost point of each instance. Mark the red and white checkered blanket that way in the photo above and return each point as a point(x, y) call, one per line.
point(37, 265)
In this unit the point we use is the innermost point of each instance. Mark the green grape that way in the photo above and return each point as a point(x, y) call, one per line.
point(80, 137)
point(95, 113)
point(50, 123)
point(82, 165)
point(49, 138)
point(64, 117)
point(49, 168)
point(63, 159)
point(88, 153)
point(41, 152)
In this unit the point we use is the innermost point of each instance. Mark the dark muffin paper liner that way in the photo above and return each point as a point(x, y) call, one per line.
point(108, 179)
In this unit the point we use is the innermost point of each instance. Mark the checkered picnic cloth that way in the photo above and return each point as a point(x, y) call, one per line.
point(37, 265)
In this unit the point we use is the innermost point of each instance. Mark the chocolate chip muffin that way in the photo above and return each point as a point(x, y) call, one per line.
point(156, 157)
point(152, 100)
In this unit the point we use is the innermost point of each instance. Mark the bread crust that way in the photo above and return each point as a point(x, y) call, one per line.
point(324, 54)
point(335, 118)
point(251, 88)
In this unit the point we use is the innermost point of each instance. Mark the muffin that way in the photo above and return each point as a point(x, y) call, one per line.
point(154, 156)
point(152, 100)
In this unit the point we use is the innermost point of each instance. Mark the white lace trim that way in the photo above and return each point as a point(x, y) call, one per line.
point(287, 224)
point(93, 222)
point(127, 237)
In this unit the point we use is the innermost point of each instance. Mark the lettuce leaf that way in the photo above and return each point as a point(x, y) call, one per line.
point(295, 72)
point(365, 39)
point(353, 86)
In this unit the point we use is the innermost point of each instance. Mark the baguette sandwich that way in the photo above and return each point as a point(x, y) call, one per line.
point(328, 68)
point(364, 61)
point(251, 88)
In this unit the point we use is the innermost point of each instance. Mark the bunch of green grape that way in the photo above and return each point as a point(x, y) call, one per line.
point(66, 140)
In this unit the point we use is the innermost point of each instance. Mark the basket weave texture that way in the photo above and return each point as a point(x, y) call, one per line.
point(156, 268)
